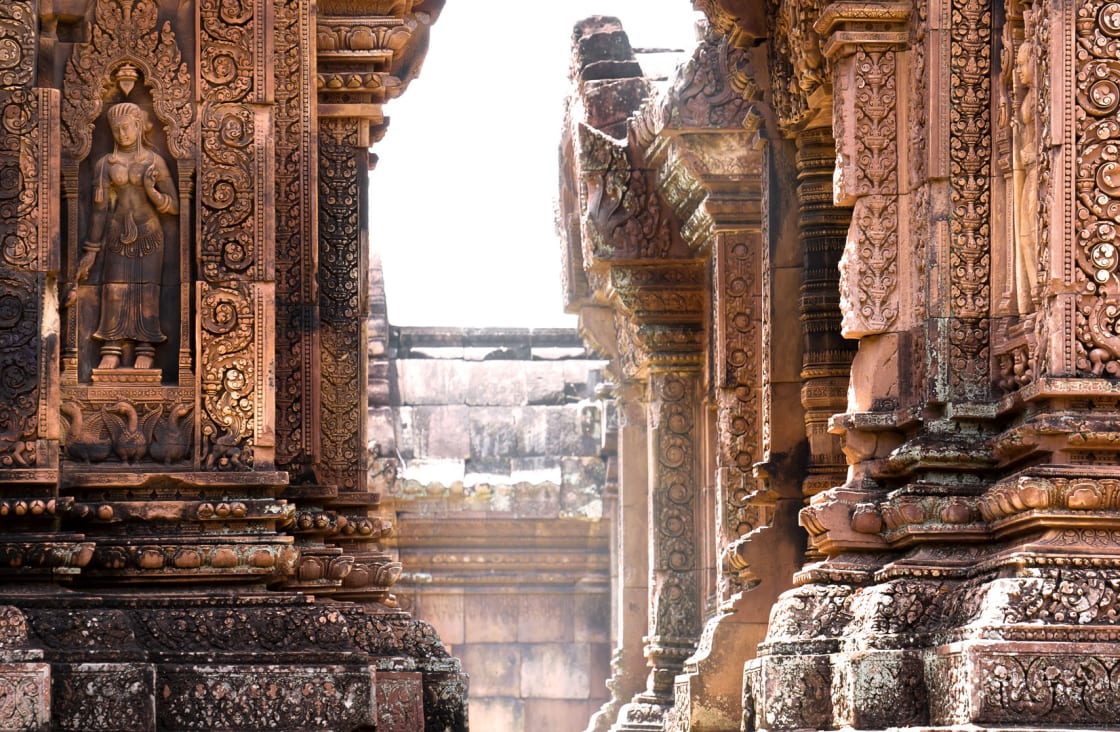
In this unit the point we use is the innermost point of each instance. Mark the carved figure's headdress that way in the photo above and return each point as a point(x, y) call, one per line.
point(120, 112)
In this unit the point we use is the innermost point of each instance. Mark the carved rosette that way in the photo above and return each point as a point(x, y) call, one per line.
point(674, 610)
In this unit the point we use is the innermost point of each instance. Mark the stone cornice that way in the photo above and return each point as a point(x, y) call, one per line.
point(367, 52)
point(846, 25)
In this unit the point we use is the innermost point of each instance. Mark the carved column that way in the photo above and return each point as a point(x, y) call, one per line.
point(674, 593)
point(826, 355)
point(348, 125)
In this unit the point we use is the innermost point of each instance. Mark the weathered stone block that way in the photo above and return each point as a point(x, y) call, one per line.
point(877, 689)
point(205, 697)
point(493, 433)
point(581, 489)
point(494, 668)
point(444, 610)
point(493, 383)
point(400, 702)
point(546, 618)
point(491, 618)
point(556, 671)
point(498, 713)
point(557, 714)
point(796, 692)
point(445, 702)
point(592, 617)
point(442, 432)
point(431, 381)
point(104, 696)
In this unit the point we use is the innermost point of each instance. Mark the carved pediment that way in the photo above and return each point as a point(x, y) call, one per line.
point(124, 45)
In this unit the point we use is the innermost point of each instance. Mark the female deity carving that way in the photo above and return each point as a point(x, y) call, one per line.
point(1026, 180)
point(132, 186)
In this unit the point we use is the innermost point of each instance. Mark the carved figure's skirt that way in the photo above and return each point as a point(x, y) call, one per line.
point(129, 312)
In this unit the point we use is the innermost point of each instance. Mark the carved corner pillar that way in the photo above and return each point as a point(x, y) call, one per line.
point(862, 46)
point(29, 332)
point(355, 56)
point(1051, 506)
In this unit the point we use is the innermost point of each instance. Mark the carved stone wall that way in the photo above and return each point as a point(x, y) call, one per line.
point(160, 271)
point(952, 461)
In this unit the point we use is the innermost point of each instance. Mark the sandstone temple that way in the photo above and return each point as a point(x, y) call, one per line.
point(851, 278)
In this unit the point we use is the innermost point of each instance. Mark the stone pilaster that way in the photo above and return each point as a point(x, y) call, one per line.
point(674, 603)
point(631, 589)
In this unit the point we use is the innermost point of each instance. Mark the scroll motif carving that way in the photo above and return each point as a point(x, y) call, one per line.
point(1098, 202)
point(24, 117)
point(702, 95)
point(917, 117)
point(869, 270)
point(970, 151)
point(739, 415)
point(18, 30)
point(624, 218)
point(232, 230)
point(1050, 689)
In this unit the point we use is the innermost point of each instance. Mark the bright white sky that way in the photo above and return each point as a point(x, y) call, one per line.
point(464, 190)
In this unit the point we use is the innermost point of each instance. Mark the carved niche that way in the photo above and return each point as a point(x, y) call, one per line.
point(128, 139)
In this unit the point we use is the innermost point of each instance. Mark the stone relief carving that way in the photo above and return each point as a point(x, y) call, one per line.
point(24, 118)
point(702, 95)
point(1098, 211)
point(869, 269)
point(970, 152)
point(623, 214)
point(1025, 148)
point(296, 324)
point(132, 188)
point(341, 283)
point(797, 68)
point(233, 227)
